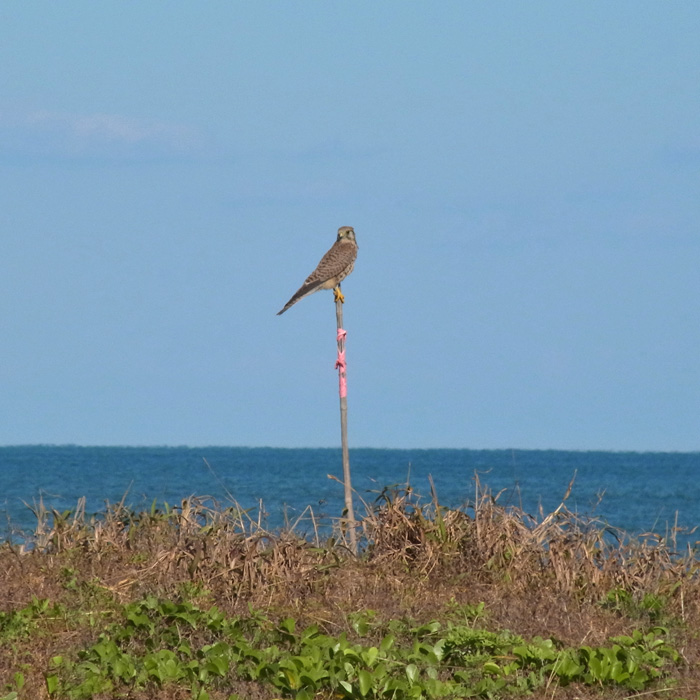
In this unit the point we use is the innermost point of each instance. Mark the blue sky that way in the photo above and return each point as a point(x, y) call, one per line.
point(523, 180)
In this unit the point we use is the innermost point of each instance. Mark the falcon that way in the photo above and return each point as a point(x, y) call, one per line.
point(334, 267)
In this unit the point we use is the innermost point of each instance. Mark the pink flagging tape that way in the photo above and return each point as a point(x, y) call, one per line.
point(340, 366)
point(340, 363)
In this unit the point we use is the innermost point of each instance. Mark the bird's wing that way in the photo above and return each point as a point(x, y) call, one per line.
point(332, 263)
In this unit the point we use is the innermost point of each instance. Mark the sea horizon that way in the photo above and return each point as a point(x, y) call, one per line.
point(156, 445)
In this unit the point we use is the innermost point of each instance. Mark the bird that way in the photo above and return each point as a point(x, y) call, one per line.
point(334, 267)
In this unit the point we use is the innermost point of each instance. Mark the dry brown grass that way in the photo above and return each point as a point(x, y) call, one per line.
point(553, 576)
point(562, 551)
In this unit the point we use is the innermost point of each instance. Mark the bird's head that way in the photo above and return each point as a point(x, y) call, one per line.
point(346, 233)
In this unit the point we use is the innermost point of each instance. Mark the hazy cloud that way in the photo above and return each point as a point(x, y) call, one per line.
point(45, 134)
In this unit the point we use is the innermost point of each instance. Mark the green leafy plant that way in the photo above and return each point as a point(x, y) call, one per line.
point(160, 642)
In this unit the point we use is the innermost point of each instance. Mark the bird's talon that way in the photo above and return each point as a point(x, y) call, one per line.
point(338, 295)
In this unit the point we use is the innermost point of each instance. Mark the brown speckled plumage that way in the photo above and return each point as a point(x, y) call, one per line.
point(334, 267)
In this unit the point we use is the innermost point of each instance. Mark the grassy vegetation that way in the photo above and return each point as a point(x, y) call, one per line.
point(485, 601)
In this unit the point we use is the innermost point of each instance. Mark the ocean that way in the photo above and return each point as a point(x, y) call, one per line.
point(636, 492)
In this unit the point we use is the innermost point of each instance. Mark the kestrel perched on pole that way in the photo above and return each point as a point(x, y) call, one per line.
point(334, 267)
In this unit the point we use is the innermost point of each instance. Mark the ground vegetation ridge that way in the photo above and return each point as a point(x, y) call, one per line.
point(485, 601)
